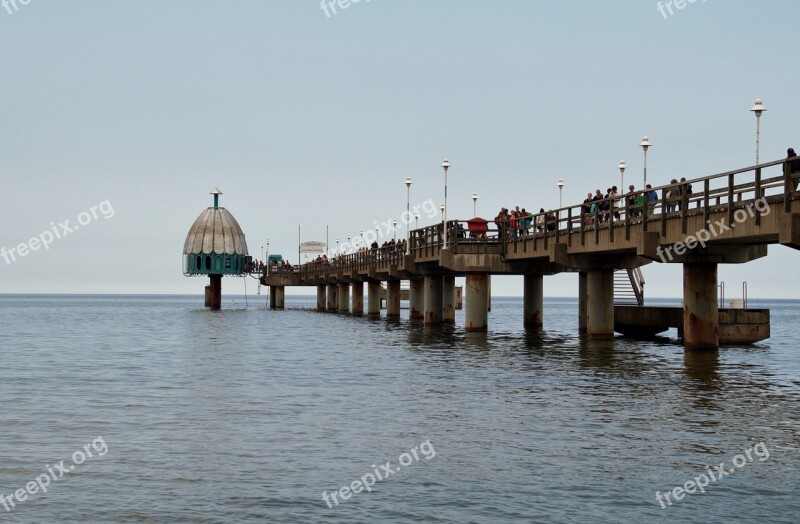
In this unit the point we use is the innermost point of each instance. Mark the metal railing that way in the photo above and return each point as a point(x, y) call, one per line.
point(728, 191)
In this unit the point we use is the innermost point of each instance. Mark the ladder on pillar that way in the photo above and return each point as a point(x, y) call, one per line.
point(628, 287)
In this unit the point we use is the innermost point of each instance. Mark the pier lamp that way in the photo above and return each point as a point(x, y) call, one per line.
point(377, 234)
point(474, 204)
point(446, 167)
point(560, 185)
point(416, 220)
point(441, 208)
point(758, 108)
point(394, 227)
point(408, 205)
point(622, 166)
point(645, 145)
point(361, 238)
point(337, 248)
point(348, 243)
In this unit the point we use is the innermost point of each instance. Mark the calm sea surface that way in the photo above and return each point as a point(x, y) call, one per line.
point(248, 415)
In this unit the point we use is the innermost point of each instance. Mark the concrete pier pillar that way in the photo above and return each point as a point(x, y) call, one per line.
point(533, 302)
point(280, 297)
point(374, 299)
point(393, 299)
point(434, 300)
point(332, 303)
point(358, 299)
point(600, 303)
point(449, 298)
point(416, 298)
point(477, 296)
point(321, 297)
point(344, 298)
point(583, 300)
point(215, 293)
point(272, 296)
point(700, 307)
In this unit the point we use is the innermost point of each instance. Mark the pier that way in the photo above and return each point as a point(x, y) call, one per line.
point(729, 218)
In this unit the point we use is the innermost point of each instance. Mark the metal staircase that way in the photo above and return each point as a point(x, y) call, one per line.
point(628, 287)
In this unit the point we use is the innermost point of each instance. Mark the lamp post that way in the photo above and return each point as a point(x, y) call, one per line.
point(416, 220)
point(361, 238)
point(348, 244)
point(474, 204)
point(377, 234)
point(622, 166)
point(560, 185)
point(441, 208)
point(446, 167)
point(408, 206)
point(758, 108)
point(645, 146)
point(394, 228)
point(337, 248)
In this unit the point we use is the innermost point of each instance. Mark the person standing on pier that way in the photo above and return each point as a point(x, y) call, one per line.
point(791, 167)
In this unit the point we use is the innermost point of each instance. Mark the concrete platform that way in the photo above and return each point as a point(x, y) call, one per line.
point(736, 326)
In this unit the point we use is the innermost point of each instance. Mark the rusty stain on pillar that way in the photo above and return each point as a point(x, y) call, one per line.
point(477, 313)
point(344, 298)
point(393, 299)
point(357, 309)
point(280, 297)
point(700, 307)
point(321, 297)
point(449, 298)
point(434, 300)
point(533, 300)
point(416, 298)
point(374, 298)
point(332, 301)
point(583, 301)
point(215, 297)
point(600, 303)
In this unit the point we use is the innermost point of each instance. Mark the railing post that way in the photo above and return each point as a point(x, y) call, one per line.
point(758, 194)
point(730, 198)
point(788, 187)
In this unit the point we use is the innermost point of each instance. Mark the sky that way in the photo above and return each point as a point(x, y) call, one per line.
point(121, 117)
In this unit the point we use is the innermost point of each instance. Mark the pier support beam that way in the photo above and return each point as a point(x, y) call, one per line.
point(393, 299)
point(321, 296)
point(358, 299)
point(434, 299)
point(279, 292)
point(332, 301)
point(449, 298)
point(344, 298)
point(700, 307)
point(416, 298)
point(215, 293)
point(374, 299)
point(600, 306)
point(533, 302)
point(477, 296)
point(583, 300)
